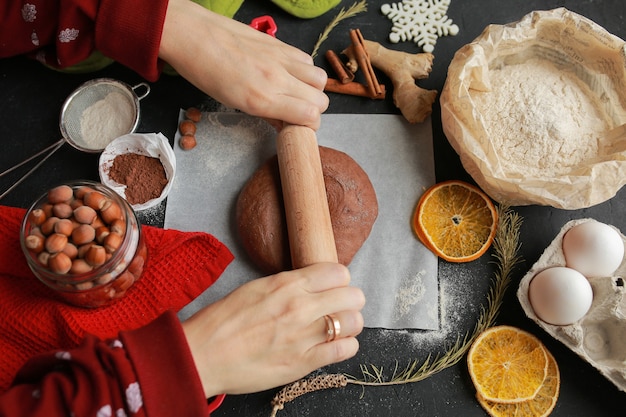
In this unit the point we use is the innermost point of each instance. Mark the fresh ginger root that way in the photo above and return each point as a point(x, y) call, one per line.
point(403, 69)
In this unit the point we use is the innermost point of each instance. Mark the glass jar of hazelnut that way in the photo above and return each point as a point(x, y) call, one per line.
point(84, 241)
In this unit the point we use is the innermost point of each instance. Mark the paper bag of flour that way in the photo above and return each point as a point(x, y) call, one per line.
point(536, 110)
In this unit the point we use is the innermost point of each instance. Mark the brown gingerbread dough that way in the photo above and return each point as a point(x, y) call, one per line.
point(260, 214)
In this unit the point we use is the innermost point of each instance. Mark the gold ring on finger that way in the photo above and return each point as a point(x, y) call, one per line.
point(333, 327)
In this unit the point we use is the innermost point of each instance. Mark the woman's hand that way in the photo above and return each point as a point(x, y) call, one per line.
point(272, 331)
point(242, 67)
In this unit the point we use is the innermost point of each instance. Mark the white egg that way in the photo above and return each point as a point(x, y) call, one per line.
point(560, 295)
point(594, 249)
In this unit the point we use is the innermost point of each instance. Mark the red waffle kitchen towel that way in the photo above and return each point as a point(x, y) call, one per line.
point(180, 266)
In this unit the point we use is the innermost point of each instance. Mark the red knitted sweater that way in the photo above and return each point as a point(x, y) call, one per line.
point(150, 357)
point(62, 33)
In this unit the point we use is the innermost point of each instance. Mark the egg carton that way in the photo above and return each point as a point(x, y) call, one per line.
point(599, 336)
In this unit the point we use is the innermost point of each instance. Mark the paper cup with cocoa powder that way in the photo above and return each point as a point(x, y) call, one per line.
point(140, 167)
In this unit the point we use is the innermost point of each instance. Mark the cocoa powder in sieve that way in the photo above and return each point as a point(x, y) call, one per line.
point(144, 176)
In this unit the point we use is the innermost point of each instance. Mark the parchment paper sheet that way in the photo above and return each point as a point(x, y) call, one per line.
point(396, 272)
point(571, 42)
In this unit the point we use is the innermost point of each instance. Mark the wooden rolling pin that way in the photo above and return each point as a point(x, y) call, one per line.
point(310, 231)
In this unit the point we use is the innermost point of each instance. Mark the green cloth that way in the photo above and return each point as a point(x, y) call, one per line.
point(306, 9)
point(227, 8)
point(95, 62)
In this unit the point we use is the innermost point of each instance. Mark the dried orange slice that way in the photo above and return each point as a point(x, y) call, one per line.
point(456, 221)
point(507, 365)
point(540, 406)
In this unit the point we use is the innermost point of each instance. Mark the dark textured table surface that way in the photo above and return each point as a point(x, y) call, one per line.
point(31, 99)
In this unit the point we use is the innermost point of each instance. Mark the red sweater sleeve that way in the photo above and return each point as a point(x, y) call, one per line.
point(129, 31)
point(145, 372)
point(62, 33)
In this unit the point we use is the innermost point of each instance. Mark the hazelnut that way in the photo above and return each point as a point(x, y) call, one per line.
point(104, 279)
point(60, 194)
point(118, 226)
point(37, 217)
point(112, 242)
point(124, 281)
point(193, 114)
point(94, 199)
point(37, 231)
point(110, 212)
point(187, 127)
point(71, 251)
point(47, 209)
point(55, 242)
point(83, 234)
point(101, 233)
point(81, 286)
point(97, 222)
point(85, 214)
point(187, 142)
point(80, 266)
point(34, 243)
point(48, 226)
point(62, 210)
point(82, 191)
point(43, 258)
point(77, 202)
point(82, 249)
point(96, 255)
point(136, 266)
point(59, 263)
point(64, 227)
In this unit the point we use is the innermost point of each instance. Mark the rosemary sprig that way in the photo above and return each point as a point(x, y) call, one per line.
point(506, 247)
point(356, 8)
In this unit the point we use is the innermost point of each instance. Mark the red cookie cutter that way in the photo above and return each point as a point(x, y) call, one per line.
point(265, 24)
point(217, 401)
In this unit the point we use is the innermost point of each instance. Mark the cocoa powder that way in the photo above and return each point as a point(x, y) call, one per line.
point(143, 176)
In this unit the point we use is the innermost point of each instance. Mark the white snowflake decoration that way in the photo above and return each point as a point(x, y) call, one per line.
point(420, 21)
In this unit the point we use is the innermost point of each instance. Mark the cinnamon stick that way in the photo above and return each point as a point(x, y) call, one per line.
point(363, 60)
point(343, 73)
point(352, 88)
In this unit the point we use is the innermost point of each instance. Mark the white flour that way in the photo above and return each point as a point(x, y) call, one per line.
point(541, 120)
point(410, 293)
point(105, 120)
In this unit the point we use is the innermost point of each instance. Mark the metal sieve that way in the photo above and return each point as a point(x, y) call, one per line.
point(83, 98)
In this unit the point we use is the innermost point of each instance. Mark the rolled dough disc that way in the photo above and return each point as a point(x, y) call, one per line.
point(261, 220)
